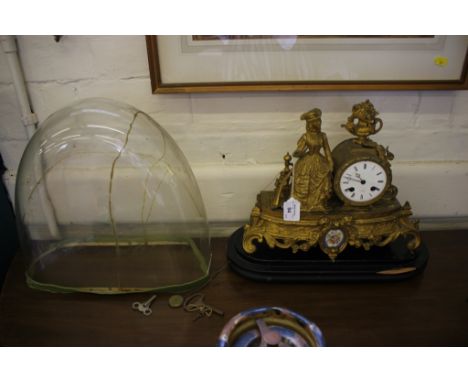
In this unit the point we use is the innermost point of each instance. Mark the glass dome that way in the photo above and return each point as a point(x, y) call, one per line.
point(106, 202)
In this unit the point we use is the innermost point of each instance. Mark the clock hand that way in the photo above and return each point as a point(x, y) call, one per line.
point(360, 180)
point(353, 179)
point(358, 176)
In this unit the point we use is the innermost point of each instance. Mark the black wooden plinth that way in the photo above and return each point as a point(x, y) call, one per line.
point(392, 262)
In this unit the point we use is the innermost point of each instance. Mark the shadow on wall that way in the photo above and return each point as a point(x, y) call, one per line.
point(8, 234)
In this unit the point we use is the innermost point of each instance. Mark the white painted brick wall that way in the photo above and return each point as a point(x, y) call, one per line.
point(427, 131)
point(11, 126)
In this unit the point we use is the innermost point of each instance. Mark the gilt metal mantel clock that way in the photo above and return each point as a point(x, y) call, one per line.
point(333, 214)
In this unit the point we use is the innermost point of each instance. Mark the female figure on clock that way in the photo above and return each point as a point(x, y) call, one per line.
point(313, 170)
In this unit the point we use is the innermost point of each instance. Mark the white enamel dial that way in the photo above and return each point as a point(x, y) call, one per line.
point(363, 181)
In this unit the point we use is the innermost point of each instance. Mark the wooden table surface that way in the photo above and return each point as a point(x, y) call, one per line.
point(430, 309)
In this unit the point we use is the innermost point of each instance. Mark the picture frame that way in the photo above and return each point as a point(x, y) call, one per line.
point(203, 64)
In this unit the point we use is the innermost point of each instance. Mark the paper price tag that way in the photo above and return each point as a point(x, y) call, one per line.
point(441, 61)
point(292, 210)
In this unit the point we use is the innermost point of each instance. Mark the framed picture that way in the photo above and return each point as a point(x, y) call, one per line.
point(190, 64)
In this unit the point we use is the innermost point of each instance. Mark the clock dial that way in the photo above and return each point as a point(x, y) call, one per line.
point(363, 181)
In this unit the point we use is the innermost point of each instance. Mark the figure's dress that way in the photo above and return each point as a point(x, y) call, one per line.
point(312, 173)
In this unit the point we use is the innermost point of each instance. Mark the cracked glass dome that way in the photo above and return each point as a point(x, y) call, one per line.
point(106, 202)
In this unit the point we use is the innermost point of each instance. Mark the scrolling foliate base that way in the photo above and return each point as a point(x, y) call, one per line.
point(393, 261)
point(342, 243)
point(340, 227)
